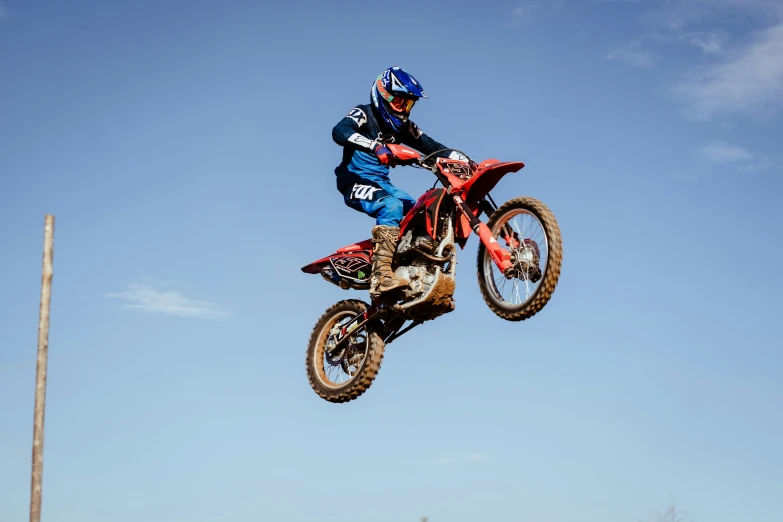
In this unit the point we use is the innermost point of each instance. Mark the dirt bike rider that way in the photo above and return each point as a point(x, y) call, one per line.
point(363, 174)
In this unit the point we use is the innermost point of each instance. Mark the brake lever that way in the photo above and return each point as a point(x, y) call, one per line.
point(408, 162)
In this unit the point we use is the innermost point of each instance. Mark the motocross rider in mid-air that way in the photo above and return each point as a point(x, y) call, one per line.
point(363, 174)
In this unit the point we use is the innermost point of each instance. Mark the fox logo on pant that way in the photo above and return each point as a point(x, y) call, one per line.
point(363, 191)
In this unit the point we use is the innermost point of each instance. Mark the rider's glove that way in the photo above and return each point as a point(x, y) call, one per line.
point(385, 155)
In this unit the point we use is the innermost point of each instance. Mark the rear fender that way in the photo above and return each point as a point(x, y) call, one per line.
point(348, 259)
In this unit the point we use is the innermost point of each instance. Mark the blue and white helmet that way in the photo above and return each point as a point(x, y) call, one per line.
point(393, 95)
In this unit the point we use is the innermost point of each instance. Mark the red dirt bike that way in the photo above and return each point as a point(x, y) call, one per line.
point(347, 343)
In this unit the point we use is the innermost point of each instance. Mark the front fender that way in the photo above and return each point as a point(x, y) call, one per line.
point(485, 180)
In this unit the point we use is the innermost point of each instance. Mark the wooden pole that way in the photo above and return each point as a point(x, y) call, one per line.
point(40, 377)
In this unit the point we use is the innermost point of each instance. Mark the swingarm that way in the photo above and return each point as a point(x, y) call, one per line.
point(391, 328)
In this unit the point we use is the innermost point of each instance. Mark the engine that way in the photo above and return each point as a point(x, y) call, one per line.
point(416, 264)
point(428, 265)
point(430, 268)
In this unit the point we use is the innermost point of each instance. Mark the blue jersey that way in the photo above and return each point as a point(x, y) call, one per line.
point(358, 133)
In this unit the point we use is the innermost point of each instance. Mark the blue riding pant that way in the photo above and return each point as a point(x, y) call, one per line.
point(378, 199)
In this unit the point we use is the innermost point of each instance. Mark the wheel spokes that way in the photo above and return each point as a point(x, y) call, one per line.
point(518, 229)
point(345, 365)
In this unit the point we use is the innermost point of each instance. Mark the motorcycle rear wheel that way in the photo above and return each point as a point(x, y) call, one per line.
point(537, 291)
point(360, 358)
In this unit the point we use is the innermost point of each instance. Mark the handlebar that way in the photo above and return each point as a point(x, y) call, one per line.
point(406, 156)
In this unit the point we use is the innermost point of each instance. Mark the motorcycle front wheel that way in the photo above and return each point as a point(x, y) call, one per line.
point(345, 375)
point(531, 234)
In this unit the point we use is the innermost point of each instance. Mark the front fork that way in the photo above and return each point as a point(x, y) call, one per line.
point(500, 255)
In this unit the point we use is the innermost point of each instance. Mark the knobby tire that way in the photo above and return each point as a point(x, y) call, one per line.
point(554, 259)
point(357, 385)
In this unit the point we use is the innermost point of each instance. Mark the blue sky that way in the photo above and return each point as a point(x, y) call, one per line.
point(185, 150)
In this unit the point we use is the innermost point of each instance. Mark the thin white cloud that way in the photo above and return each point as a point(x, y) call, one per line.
point(758, 166)
point(476, 457)
point(748, 82)
point(735, 79)
point(676, 15)
point(639, 53)
point(149, 298)
point(529, 10)
point(721, 152)
point(633, 55)
point(678, 21)
point(470, 457)
point(524, 10)
point(3, 11)
point(710, 43)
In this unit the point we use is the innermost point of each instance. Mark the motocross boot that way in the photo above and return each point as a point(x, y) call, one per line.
point(384, 239)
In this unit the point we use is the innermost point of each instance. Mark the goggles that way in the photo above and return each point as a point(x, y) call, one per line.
point(397, 103)
point(403, 105)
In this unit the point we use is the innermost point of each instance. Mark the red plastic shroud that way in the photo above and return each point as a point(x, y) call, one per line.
point(429, 203)
point(486, 175)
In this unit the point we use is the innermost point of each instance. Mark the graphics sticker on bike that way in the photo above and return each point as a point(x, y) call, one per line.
point(353, 267)
point(457, 168)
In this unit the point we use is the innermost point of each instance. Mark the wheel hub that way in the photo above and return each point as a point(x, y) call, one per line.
point(524, 262)
point(334, 359)
point(350, 354)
